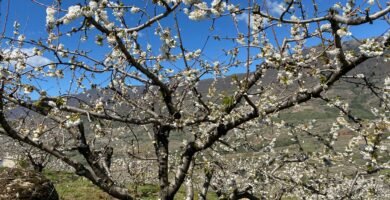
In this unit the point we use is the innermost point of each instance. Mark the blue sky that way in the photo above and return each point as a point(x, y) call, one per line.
point(32, 18)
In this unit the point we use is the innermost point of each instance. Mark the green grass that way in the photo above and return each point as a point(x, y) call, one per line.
point(72, 187)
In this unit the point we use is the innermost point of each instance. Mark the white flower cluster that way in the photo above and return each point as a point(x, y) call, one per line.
point(134, 9)
point(371, 48)
point(349, 7)
point(200, 12)
point(241, 39)
point(50, 18)
point(93, 5)
point(190, 2)
point(386, 89)
point(87, 11)
point(168, 41)
point(350, 55)
point(102, 16)
point(333, 52)
point(232, 8)
point(193, 55)
point(218, 7)
point(343, 32)
point(285, 77)
point(111, 39)
point(16, 28)
point(269, 54)
point(73, 13)
point(118, 11)
point(257, 26)
point(38, 132)
point(21, 39)
point(99, 106)
point(387, 83)
point(27, 89)
point(337, 6)
point(325, 28)
point(190, 75)
point(72, 121)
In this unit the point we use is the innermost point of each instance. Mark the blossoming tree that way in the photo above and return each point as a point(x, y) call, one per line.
point(142, 91)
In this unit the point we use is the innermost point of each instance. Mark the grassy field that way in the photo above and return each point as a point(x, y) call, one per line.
point(72, 187)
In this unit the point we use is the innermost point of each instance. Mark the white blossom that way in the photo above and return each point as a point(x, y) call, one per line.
point(190, 2)
point(360, 76)
point(387, 83)
point(200, 12)
point(72, 120)
point(88, 12)
point(134, 9)
point(343, 32)
point(371, 48)
point(73, 13)
point(28, 89)
point(93, 5)
point(285, 77)
point(21, 38)
point(50, 18)
point(71, 123)
point(52, 103)
point(325, 27)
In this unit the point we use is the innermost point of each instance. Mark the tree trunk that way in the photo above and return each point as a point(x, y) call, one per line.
point(189, 184)
point(161, 142)
point(206, 184)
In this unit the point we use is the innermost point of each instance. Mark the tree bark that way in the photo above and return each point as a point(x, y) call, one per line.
point(189, 183)
point(161, 144)
point(206, 184)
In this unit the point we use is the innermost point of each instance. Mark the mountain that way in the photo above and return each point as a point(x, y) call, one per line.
point(375, 68)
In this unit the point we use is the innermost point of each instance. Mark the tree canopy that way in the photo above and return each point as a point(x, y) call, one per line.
point(246, 99)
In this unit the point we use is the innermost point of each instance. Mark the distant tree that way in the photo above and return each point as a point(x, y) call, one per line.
point(129, 78)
